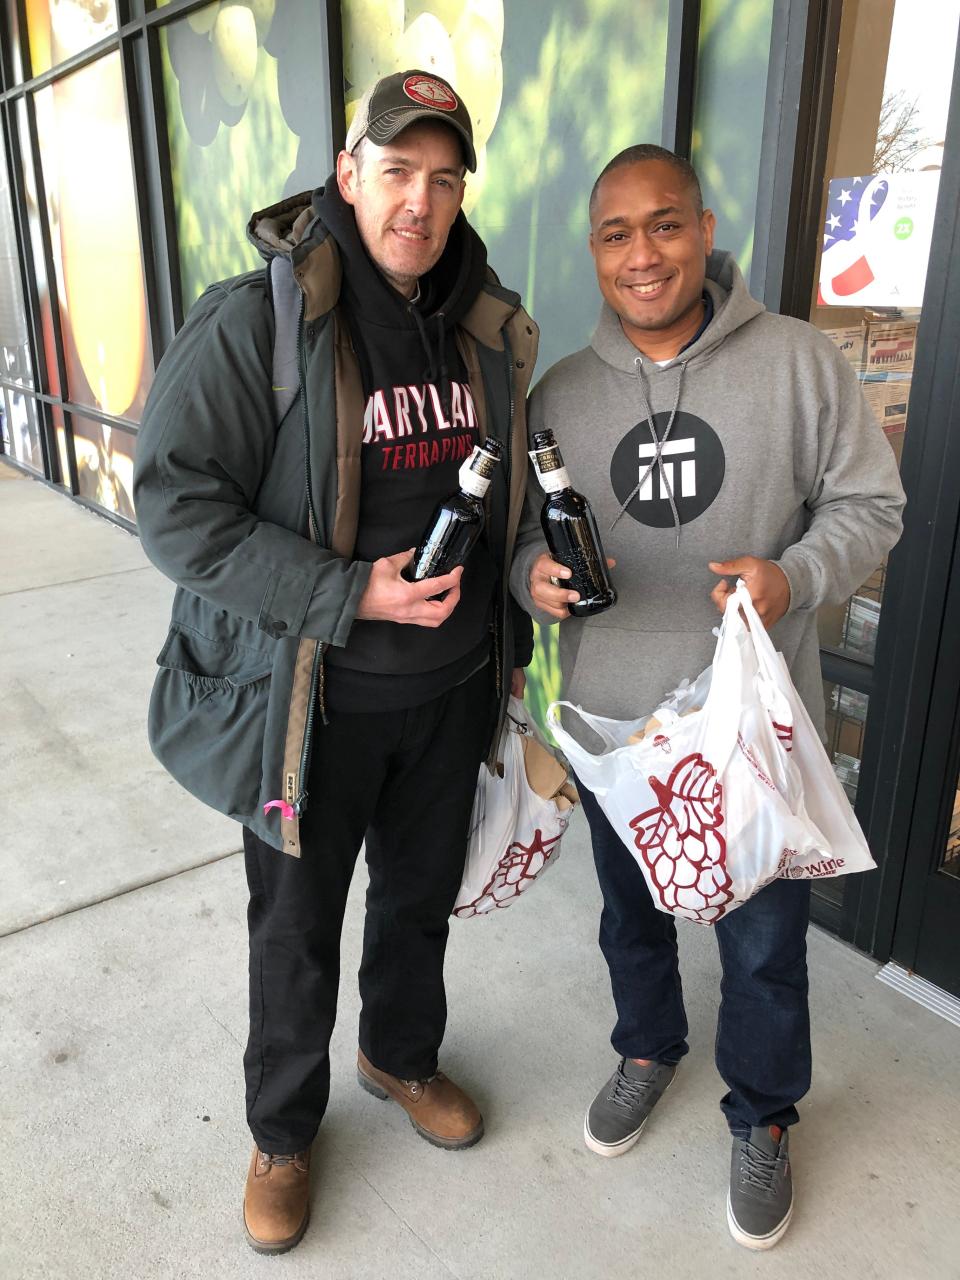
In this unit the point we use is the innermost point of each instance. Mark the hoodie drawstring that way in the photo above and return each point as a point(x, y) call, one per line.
point(442, 361)
point(658, 443)
point(436, 370)
point(428, 374)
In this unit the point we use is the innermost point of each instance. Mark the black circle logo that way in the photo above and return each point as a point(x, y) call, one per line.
point(693, 466)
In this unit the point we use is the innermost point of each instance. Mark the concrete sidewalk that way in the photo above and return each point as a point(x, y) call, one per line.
point(122, 1013)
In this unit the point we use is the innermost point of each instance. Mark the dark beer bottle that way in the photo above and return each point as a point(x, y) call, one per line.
point(571, 531)
point(458, 521)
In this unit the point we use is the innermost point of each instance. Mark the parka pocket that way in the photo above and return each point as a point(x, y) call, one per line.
point(207, 718)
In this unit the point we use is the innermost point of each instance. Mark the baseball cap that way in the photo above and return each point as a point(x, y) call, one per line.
point(401, 99)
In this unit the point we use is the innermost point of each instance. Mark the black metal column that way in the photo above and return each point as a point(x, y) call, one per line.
point(679, 81)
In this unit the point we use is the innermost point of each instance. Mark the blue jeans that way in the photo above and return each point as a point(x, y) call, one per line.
point(763, 1029)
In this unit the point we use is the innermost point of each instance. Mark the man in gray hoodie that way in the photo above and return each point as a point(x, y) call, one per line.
point(715, 441)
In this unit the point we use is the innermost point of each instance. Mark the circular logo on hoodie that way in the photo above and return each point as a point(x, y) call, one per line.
point(430, 93)
point(691, 467)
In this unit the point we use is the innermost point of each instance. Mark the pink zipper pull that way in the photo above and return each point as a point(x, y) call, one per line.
point(286, 810)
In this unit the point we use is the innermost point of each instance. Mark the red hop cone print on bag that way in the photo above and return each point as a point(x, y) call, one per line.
point(681, 842)
point(516, 871)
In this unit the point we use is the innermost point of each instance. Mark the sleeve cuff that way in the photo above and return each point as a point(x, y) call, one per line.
point(802, 578)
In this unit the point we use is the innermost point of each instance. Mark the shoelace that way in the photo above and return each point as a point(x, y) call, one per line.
point(758, 1169)
point(416, 1085)
point(268, 1159)
point(627, 1093)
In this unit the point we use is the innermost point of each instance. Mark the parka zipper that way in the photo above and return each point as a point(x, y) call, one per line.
point(499, 619)
point(300, 803)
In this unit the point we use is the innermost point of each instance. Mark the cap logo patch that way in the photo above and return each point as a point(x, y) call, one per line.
point(430, 92)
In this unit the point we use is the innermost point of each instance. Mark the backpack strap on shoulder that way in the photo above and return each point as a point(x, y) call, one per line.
point(286, 298)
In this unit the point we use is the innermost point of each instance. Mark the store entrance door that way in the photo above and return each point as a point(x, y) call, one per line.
point(887, 293)
point(903, 711)
point(927, 936)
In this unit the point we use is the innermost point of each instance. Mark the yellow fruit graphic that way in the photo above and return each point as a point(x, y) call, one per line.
point(99, 236)
point(490, 12)
point(457, 39)
point(38, 27)
point(202, 21)
point(449, 12)
point(372, 30)
point(426, 45)
point(234, 53)
point(479, 73)
point(263, 11)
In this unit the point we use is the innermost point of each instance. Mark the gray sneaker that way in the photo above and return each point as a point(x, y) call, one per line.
point(622, 1107)
point(760, 1199)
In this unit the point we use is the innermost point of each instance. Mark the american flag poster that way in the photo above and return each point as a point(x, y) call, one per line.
point(876, 239)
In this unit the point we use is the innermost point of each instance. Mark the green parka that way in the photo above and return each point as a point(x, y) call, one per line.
point(256, 521)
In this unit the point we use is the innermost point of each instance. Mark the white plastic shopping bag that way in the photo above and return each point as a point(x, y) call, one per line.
point(727, 786)
point(517, 819)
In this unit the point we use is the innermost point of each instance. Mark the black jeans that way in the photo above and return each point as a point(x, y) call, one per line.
point(405, 781)
point(763, 1030)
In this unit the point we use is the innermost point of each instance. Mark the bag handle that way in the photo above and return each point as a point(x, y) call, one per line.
point(768, 660)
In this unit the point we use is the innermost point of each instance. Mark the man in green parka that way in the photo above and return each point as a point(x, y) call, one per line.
point(301, 430)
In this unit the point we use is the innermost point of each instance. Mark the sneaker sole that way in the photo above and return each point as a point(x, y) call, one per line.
point(757, 1243)
point(281, 1246)
point(445, 1144)
point(612, 1149)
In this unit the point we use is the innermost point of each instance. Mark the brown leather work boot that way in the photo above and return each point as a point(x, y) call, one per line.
point(276, 1202)
point(438, 1110)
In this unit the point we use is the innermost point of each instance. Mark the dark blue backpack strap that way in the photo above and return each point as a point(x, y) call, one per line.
point(287, 301)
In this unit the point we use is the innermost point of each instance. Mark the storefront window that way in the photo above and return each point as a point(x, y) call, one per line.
point(58, 29)
point(19, 428)
point(92, 215)
point(19, 425)
point(248, 123)
point(729, 112)
point(104, 465)
point(885, 153)
point(16, 364)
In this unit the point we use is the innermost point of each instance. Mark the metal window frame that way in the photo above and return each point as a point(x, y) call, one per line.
point(333, 57)
point(804, 41)
point(680, 76)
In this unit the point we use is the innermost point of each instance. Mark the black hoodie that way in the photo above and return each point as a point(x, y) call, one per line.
point(419, 426)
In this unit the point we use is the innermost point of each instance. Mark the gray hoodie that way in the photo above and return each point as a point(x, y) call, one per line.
point(772, 452)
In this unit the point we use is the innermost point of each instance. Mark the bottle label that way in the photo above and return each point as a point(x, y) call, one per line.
point(551, 472)
point(477, 472)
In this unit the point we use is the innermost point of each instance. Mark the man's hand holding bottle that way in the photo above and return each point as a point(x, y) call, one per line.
point(549, 587)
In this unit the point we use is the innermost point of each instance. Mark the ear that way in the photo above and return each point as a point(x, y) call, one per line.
point(348, 176)
point(708, 226)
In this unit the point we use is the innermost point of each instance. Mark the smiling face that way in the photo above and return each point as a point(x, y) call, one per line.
point(650, 246)
point(405, 197)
